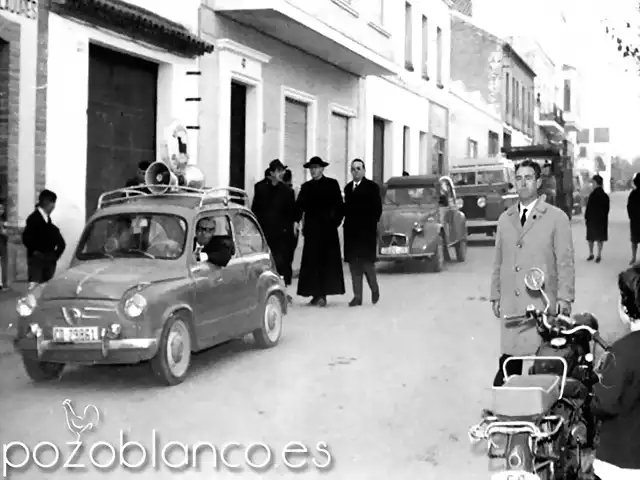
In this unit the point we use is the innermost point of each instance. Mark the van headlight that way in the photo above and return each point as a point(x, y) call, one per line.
point(134, 306)
point(26, 305)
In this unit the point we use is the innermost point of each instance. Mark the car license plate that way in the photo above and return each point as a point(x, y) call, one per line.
point(514, 475)
point(395, 250)
point(75, 334)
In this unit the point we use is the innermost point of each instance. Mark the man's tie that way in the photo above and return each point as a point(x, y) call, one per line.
point(523, 218)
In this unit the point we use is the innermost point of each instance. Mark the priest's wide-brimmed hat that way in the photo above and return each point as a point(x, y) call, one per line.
point(276, 165)
point(315, 162)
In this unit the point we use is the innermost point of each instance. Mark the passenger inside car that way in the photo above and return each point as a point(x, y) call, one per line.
point(121, 237)
point(214, 242)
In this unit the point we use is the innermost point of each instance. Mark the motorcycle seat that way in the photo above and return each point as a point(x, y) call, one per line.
point(526, 395)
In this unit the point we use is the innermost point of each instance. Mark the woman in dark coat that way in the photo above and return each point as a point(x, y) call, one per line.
point(597, 218)
point(320, 208)
point(633, 211)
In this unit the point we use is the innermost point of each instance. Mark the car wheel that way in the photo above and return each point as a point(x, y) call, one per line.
point(269, 333)
point(438, 259)
point(461, 250)
point(42, 371)
point(171, 362)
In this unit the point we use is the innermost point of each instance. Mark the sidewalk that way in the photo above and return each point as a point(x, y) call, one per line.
point(8, 315)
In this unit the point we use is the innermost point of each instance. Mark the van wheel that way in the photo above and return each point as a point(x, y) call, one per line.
point(269, 333)
point(461, 250)
point(172, 361)
point(42, 371)
point(438, 259)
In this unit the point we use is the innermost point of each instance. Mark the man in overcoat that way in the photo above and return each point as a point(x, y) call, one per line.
point(320, 207)
point(531, 233)
point(362, 210)
point(274, 206)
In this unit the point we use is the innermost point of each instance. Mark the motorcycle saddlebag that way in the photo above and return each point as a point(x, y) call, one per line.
point(526, 395)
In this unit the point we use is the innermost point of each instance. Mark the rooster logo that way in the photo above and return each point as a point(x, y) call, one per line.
point(79, 424)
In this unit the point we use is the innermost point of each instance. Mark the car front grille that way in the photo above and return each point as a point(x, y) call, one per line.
point(389, 239)
point(471, 208)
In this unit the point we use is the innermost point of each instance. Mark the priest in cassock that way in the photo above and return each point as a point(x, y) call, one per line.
point(320, 208)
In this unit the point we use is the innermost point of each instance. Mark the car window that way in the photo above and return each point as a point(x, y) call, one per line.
point(464, 178)
point(249, 239)
point(147, 235)
point(411, 196)
point(209, 226)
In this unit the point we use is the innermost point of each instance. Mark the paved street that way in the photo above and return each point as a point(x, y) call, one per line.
point(392, 390)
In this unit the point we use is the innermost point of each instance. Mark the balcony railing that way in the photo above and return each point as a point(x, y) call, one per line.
point(555, 115)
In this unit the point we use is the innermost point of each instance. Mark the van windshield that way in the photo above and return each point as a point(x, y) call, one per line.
point(479, 177)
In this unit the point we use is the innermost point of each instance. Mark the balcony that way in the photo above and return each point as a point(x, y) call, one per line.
point(328, 29)
point(571, 122)
point(552, 120)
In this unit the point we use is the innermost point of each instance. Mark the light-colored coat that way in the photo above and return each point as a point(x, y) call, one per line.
point(545, 242)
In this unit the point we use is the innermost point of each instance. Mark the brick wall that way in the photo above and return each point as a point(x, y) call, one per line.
point(475, 60)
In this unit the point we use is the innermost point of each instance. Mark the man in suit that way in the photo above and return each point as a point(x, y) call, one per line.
point(531, 233)
point(213, 242)
point(362, 211)
point(274, 205)
point(43, 240)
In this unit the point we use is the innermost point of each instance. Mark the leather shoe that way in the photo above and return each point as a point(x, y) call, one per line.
point(375, 297)
point(356, 302)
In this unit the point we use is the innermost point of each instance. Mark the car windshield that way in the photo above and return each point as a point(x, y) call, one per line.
point(411, 196)
point(479, 177)
point(148, 235)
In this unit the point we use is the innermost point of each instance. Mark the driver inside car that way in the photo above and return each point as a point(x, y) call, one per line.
point(616, 400)
point(213, 242)
point(122, 236)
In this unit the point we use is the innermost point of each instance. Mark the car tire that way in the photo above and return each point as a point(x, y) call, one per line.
point(173, 359)
point(270, 330)
point(438, 259)
point(461, 250)
point(42, 371)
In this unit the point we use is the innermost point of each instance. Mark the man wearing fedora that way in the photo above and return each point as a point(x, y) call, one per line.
point(320, 208)
point(274, 205)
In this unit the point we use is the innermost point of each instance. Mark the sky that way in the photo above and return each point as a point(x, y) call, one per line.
point(610, 96)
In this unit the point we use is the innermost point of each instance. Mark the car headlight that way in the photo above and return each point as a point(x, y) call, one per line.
point(418, 228)
point(460, 202)
point(482, 202)
point(26, 305)
point(135, 305)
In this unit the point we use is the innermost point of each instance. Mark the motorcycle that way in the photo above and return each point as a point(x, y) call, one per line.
point(540, 423)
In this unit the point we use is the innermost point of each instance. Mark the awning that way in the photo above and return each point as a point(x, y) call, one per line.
point(135, 22)
point(293, 26)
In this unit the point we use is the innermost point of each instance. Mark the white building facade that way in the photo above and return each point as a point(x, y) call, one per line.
point(118, 76)
point(407, 115)
point(476, 127)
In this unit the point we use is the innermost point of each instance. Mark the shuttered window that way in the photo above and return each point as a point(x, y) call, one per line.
point(339, 148)
point(295, 139)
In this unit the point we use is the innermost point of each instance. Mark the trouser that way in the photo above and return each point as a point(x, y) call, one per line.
point(360, 268)
point(514, 367)
point(283, 264)
point(40, 269)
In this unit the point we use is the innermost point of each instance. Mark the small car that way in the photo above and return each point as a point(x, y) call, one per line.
point(486, 188)
point(421, 221)
point(137, 291)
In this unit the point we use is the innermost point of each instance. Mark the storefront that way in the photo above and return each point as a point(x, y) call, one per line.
point(118, 77)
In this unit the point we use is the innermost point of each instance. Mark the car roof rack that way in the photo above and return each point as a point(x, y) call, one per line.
point(205, 195)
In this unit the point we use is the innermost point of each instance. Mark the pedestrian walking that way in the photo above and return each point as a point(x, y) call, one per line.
point(274, 205)
point(362, 211)
point(43, 240)
point(531, 233)
point(287, 179)
point(633, 211)
point(596, 217)
point(320, 207)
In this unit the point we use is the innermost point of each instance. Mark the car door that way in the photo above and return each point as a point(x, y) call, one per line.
point(255, 256)
point(216, 301)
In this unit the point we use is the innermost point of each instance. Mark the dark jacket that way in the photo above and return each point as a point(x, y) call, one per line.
point(633, 211)
point(362, 210)
point(275, 208)
point(596, 216)
point(42, 239)
point(617, 403)
point(220, 250)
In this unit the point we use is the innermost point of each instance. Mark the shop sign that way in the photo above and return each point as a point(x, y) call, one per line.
point(24, 8)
